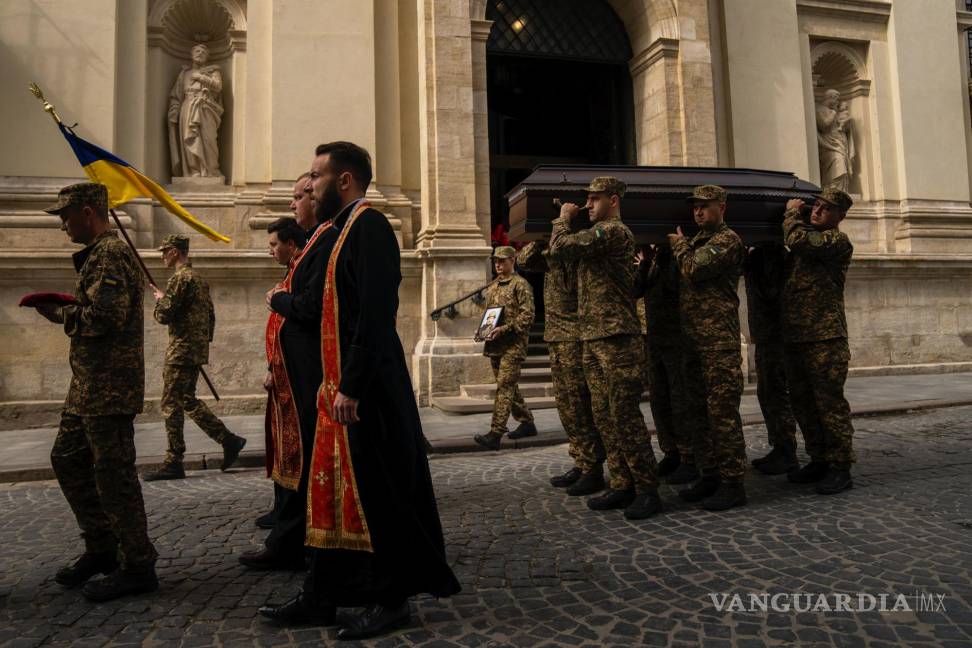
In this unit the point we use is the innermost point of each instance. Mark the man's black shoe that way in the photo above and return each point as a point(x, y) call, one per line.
point(565, 480)
point(644, 506)
point(375, 620)
point(812, 472)
point(523, 430)
point(686, 473)
point(728, 495)
point(490, 440)
point(267, 520)
point(701, 489)
point(837, 480)
point(588, 484)
point(121, 583)
point(300, 611)
point(266, 560)
point(167, 471)
point(669, 463)
point(88, 565)
point(231, 450)
point(778, 462)
point(611, 499)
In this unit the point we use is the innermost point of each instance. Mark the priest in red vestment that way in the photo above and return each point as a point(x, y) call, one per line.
point(372, 523)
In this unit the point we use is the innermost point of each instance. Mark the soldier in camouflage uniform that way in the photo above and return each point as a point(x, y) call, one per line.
point(567, 370)
point(815, 335)
point(188, 311)
point(506, 348)
point(675, 424)
point(763, 273)
point(94, 452)
point(709, 265)
point(612, 344)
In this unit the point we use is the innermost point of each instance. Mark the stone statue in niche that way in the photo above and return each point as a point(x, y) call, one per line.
point(195, 112)
point(835, 139)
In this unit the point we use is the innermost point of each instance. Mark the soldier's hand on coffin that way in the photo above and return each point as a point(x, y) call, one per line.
point(569, 211)
point(794, 203)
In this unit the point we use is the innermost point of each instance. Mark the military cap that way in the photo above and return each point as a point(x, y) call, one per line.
point(504, 252)
point(708, 193)
point(91, 194)
point(835, 197)
point(607, 185)
point(177, 241)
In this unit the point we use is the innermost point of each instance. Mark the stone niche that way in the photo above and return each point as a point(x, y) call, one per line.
point(840, 75)
point(174, 28)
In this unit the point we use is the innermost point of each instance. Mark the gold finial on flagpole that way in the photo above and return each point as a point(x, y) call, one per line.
point(48, 107)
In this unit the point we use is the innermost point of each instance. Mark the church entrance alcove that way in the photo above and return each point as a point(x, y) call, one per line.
point(558, 92)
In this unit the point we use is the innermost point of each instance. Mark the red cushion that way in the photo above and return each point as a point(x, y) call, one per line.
point(56, 298)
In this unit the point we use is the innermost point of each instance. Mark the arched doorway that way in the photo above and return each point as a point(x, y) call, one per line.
point(558, 91)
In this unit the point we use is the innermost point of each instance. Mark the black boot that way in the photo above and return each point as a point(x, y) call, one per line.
point(669, 463)
point(837, 480)
point(523, 430)
point(167, 471)
point(700, 489)
point(565, 480)
point(231, 450)
point(686, 473)
point(88, 565)
point(611, 499)
point(375, 620)
point(644, 505)
point(490, 440)
point(729, 495)
point(778, 462)
point(588, 484)
point(809, 474)
point(300, 610)
point(266, 560)
point(120, 583)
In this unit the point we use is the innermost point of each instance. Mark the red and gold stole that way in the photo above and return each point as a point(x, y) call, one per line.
point(335, 519)
point(282, 420)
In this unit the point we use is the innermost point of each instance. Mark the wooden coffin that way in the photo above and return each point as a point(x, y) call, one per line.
point(655, 201)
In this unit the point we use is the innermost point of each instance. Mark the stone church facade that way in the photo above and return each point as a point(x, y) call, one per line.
point(456, 100)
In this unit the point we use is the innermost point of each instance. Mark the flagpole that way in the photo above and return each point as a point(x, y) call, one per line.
point(49, 109)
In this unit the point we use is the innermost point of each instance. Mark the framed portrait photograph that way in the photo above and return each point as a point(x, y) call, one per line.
point(491, 319)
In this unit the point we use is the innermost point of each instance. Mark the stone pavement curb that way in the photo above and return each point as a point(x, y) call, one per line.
point(256, 458)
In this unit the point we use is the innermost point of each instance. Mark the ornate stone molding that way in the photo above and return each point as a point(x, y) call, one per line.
point(964, 19)
point(662, 48)
point(176, 25)
point(479, 30)
point(878, 11)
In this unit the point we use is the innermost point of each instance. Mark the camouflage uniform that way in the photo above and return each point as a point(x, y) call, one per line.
point(710, 264)
point(815, 334)
point(507, 353)
point(613, 349)
point(187, 309)
point(676, 425)
point(94, 452)
point(763, 273)
point(566, 355)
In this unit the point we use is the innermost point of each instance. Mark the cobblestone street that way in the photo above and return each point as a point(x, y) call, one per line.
point(538, 568)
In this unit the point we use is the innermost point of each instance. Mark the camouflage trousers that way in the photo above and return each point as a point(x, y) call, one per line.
point(773, 394)
point(509, 400)
point(179, 399)
point(574, 405)
point(94, 461)
point(817, 372)
point(714, 385)
point(613, 368)
point(674, 423)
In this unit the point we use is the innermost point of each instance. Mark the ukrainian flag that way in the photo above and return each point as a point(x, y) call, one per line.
point(124, 182)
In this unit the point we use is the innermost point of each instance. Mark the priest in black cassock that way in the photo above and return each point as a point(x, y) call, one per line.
point(299, 303)
point(373, 524)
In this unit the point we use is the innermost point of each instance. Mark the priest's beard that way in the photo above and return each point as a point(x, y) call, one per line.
point(328, 206)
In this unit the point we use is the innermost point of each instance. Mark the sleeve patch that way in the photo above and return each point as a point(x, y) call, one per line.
point(110, 281)
point(816, 239)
